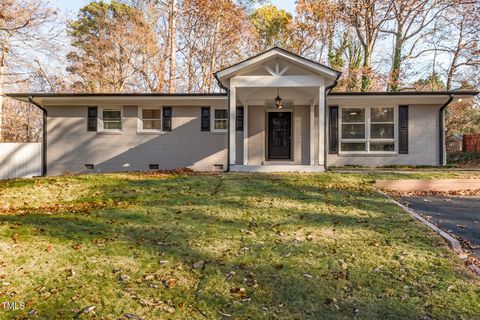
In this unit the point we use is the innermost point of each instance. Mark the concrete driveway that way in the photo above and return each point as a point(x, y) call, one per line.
point(460, 216)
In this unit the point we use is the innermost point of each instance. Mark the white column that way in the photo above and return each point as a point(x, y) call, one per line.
point(321, 125)
point(232, 107)
point(312, 133)
point(245, 134)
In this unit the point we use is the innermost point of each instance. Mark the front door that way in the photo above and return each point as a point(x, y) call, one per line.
point(279, 135)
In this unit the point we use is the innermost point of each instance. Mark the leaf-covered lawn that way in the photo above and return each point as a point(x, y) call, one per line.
point(233, 246)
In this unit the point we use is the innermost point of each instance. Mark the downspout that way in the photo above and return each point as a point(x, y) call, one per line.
point(441, 122)
point(44, 135)
point(328, 89)
point(220, 84)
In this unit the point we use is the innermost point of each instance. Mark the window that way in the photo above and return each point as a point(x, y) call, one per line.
point(370, 129)
point(382, 129)
point(220, 120)
point(151, 119)
point(353, 129)
point(112, 119)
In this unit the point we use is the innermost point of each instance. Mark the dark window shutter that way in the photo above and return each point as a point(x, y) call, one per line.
point(167, 119)
point(92, 119)
point(333, 131)
point(403, 130)
point(239, 125)
point(205, 118)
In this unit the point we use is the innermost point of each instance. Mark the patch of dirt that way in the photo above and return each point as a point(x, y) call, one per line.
point(463, 193)
point(79, 207)
point(470, 164)
point(174, 172)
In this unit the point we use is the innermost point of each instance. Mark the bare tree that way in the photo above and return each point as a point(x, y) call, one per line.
point(367, 17)
point(412, 18)
point(172, 35)
point(464, 50)
point(24, 28)
point(211, 37)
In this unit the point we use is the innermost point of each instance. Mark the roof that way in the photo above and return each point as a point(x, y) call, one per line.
point(275, 52)
point(57, 97)
point(281, 50)
point(49, 95)
point(406, 93)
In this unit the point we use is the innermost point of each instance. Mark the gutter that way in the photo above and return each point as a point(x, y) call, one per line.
point(220, 84)
point(328, 89)
point(44, 135)
point(441, 122)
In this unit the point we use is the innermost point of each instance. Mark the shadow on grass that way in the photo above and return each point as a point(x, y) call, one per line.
point(227, 223)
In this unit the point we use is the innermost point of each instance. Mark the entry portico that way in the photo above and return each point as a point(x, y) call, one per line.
point(283, 99)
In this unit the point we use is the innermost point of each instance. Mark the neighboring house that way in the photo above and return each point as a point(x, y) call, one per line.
point(278, 115)
point(454, 143)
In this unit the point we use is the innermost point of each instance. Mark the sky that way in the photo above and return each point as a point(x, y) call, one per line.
point(72, 6)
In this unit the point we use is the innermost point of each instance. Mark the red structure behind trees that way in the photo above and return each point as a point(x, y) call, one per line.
point(471, 143)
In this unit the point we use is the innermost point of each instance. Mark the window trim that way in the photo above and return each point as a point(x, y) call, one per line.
point(140, 120)
point(100, 119)
point(367, 140)
point(212, 119)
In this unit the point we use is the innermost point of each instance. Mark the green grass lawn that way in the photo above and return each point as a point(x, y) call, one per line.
point(232, 246)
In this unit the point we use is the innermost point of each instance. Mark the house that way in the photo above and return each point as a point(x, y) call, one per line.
point(454, 143)
point(278, 114)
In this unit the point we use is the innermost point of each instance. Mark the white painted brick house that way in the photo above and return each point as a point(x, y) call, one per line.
point(278, 114)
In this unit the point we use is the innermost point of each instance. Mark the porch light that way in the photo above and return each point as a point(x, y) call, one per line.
point(278, 100)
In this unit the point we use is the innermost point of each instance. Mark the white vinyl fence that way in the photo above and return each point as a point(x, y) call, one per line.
point(20, 160)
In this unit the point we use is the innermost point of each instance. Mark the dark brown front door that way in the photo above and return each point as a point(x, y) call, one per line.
point(279, 135)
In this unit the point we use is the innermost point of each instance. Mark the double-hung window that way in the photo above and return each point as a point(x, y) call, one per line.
point(111, 119)
point(220, 120)
point(353, 132)
point(382, 129)
point(151, 119)
point(367, 129)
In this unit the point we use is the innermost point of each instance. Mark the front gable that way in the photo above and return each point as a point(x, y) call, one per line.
point(276, 63)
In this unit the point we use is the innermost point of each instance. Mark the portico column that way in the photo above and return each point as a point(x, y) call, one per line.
point(245, 134)
point(232, 107)
point(312, 133)
point(321, 125)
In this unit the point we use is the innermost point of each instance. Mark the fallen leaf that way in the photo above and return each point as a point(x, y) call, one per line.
point(132, 316)
point(149, 277)
point(124, 277)
point(86, 310)
point(169, 283)
point(241, 292)
point(229, 275)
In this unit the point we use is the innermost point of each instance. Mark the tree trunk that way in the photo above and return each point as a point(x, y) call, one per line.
point(396, 62)
point(366, 72)
point(191, 75)
point(173, 45)
point(2, 77)
point(456, 54)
